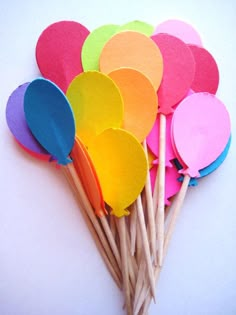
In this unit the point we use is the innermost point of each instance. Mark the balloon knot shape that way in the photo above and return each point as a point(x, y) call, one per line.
point(191, 172)
point(64, 161)
point(120, 212)
point(165, 110)
point(193, 181)
point(101, 212)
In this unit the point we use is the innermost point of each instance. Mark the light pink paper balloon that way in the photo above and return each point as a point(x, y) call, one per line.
point(172, 185)
point(200, 131)
point(180, 29)
point(153, 140)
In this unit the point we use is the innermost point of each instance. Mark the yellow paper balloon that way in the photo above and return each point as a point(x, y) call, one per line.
point(121, 166)
point(140, 101)
point(97, 104)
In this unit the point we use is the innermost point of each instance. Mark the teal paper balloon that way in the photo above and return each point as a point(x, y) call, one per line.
point(50, 118)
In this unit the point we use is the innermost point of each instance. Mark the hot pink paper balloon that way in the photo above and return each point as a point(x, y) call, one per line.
point(172, 185)
point(206, 78)
point(58, 52)
point(180, 29)
point(200, 131)
point(179, 71)
point(153, 140)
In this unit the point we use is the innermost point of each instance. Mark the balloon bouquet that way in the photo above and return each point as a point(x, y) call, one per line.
point(129, 115)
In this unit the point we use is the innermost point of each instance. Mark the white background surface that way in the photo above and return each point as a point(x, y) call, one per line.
point(48, 262)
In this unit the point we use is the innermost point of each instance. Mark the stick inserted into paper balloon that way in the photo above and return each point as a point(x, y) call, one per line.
point(118, 157)
point(50, 118)
point(179, 69)
point(140, 109)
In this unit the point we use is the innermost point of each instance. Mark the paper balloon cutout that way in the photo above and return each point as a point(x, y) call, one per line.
point(50, 118)
point(210, 168)
point(94, 44)
point(17, 124)
point(172, 185)
point(200, 131)
point(180, 29)
point(58, 52)
point(97, 104)
point(88, 176)
point(206, 77)
point(140, 101)
point(133, 50)
point(153, 140)
point(179, 70)
point(119, 159)
point(138, 26)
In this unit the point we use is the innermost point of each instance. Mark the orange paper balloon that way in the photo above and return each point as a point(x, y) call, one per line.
point(140, 101)
point(88, 176)
point(133, 50)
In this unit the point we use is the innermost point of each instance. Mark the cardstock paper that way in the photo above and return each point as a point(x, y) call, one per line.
point(133, 50)
point(17, 124)
point(88, 176)
point(153, 140)
point(119, 158)
point(97, 104)
point(179, 71)
point(210, 168)
point(172, 185)
point(138, 26)
point(140, 101)
point(206, 77)
point(58, 52)
point(50, 118)
point(200, 131)
point(180, 29)
point(94, 44)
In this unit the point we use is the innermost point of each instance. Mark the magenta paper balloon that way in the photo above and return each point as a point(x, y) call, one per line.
point(153, 140)
point(172, 185)
point(180, 29)
point(200, 131)
point(178, 74)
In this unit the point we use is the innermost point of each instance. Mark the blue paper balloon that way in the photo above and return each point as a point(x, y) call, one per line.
point(210, 168)
point(50, 118)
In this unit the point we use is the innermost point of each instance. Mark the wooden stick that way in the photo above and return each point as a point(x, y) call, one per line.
point(124, 262)
point(94, 234)
point(139, 283)
point(146, 249)
point(113, 226)
point(111, 239)
point(145, 294)
point(150, 211)
point(91, 215)
point(133, 230)
point(161, 188)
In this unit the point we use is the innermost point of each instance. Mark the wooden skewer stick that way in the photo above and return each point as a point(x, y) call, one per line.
point(150, 211)
point(161, 188)
point(145, 294)
point(133, 229)
point(111, 239)
point(124, 263)
point(91, 215)
point(94, 234)
point(146, 249)
point(139, 283)
point(113, 226)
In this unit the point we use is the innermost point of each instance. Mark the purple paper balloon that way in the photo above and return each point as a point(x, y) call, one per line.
point(17, 124)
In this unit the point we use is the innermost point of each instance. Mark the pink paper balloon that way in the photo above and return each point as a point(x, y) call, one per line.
point(153, 140)
point(172, 185)
point(178, 74)
point(200, 131)
point(180, 29)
